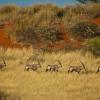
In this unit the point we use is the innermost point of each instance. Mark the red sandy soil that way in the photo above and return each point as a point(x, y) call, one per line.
point(96, 21)
point(5, 40)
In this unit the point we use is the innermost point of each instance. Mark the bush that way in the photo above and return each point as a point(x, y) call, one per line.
point(84, 29)
point(28, 31)
point(48, 33)
point(33, 25)
point(93, 45)
point(94, 11)
point(39, 23)
point(8, 9)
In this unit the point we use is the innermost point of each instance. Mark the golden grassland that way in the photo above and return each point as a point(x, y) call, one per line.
point(39, 85)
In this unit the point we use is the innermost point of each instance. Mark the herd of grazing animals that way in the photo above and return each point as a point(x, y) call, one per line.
point(52, 67)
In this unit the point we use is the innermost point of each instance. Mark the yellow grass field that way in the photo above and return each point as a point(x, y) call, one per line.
point(41, 85)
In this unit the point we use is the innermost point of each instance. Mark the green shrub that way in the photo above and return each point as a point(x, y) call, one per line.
point(84, 29)
point(93, 45)
point(48, 33)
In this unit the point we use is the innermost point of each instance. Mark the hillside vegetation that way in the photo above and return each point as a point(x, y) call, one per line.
point(49, 26)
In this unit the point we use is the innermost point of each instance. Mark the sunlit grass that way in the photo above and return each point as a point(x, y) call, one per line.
point(40, 85)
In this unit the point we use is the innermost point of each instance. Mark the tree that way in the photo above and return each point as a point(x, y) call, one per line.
point(86, 1)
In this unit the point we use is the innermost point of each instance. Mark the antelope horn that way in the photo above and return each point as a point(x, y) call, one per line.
point(4, 61)
point(39, 63)
point(83, 65)
point(60, 63)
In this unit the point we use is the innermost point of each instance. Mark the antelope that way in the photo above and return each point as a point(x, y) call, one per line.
point(77, 68)
point(2, 65)
point(53, 67)
point(98, 70)
point(33, 67)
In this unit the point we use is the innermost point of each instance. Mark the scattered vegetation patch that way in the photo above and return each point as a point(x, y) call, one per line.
point(42, 23)
point(5, 96)
point(84, 29)
point(94, 45)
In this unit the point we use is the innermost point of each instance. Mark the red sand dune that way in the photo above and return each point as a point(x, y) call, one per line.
point(96, 21)
point(5, 40)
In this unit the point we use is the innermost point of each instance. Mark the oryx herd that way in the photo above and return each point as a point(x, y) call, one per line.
point(55, 67)
point(52, 67)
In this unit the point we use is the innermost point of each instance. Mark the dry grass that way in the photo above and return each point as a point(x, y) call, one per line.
point(50, 86)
